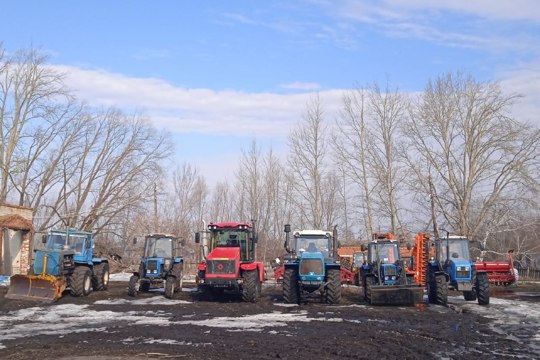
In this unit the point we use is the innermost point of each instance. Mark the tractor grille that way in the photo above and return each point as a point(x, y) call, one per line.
point(152, 267)
point(462, 273)
point(389, 270)
point(221, 267)
point(314, 266)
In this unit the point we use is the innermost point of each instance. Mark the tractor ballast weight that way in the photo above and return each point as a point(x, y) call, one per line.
point(311, 267)
point(66, 262)
point(160, 267)
point(228, 261)
point(384, 278)
point(452, 268)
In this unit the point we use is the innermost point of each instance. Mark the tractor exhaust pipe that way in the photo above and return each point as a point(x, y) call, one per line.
point(287, 238)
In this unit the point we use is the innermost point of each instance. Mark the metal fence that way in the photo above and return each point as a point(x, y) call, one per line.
point(529, 274)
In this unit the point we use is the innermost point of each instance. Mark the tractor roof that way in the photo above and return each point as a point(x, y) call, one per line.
point(312, 233)
point(233, 225)
point(160, 235)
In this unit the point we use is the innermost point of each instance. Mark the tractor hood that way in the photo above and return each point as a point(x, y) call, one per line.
point(225, 253)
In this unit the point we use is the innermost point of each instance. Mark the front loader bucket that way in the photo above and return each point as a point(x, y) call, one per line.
point(409, 295)
point(46, 288)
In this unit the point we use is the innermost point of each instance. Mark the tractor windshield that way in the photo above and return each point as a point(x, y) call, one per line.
point(160, 247)
point(313, 244)
point(383, 253)
point(458, 249)
point(232, 238)
point(65, 242)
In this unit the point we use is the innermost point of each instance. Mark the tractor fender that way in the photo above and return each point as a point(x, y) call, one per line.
point(249, 267)
point(256, 265)
point(447, 277)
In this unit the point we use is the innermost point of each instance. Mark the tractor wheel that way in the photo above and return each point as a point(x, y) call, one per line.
point(441, 289)
point(250, 288)
point(177, 271)
point(482, 288)
point(170, 285)
point(333, 289)
point(291, 292)
point(432, 289)
point(469, 295)
point(100, 280)
point(134, 285)
point(370, 281)
point(81, 281)
point(145, 285)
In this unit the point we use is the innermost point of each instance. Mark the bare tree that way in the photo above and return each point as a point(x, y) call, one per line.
point(307, 146)
point(29, 92)
point(351, 143)
point(388, 110)
point(477, 153)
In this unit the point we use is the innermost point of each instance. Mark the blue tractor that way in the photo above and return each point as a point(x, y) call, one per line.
point(310, 266)
point(384, 278)
point(452, 268)
point(159, 266)
point(66, 262)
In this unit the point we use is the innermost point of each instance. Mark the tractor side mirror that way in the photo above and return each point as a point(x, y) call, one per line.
point(182, 242)
point(134, 240)
point(287, 228)
point(255, 239)
point(363, 247)
point(197, 238)
point(409, 247)
point(44, 238)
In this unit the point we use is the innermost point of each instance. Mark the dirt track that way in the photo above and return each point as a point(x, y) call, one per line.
point(120, 328)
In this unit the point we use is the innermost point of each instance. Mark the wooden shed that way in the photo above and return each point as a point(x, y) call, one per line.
point(16, 235)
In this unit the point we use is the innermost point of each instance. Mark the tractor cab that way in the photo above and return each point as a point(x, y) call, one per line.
point(232, 235)
point(454, 256)
point(383, 257)
point(158, 246)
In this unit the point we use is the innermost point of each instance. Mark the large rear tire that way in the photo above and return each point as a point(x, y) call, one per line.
point(133, 286)
point(482, 288)
point(333, 289)
point(442, 289)
point(369, 282)
point(250, 287)
point(100, 280)
point(81, 281)
point(291, 291)
point(178, 270)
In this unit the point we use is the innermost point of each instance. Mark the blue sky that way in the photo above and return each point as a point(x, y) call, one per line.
point(217, 74)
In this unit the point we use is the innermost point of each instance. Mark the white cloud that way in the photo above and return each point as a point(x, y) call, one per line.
point(301, 86)
point(188, 110)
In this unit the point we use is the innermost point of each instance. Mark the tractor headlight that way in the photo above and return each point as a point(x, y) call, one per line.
point(393, 278)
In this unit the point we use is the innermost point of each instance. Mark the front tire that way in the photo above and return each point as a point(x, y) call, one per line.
point(170, 282)
point(482, 288)
point(250, 288)
point(291, 292)
point(333, 289)
point(81, 281)
point(100, 280)
point(133, 286)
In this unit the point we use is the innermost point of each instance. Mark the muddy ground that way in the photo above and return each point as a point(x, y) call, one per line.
point(230, 329)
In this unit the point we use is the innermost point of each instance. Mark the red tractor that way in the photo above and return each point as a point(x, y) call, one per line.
point(228, 251)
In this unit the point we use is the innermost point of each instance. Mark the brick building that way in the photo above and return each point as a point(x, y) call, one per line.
point(16, 238)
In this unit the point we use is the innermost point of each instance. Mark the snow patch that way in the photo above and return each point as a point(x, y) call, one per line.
point(255, 322)
point(157, 300)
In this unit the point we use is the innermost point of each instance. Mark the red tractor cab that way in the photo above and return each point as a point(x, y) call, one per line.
point(228, 261)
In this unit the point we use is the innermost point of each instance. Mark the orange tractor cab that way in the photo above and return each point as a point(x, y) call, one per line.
point(228, 251)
